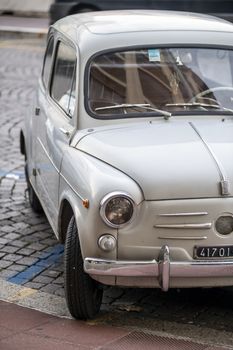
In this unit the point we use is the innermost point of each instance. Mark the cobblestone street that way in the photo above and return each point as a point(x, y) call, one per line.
point(26, 240)
point(31, 256)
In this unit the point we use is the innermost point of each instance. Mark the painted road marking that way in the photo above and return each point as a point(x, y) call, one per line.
point(12, 174)
point(34, 299)
point(23, 293)
point(45, 260)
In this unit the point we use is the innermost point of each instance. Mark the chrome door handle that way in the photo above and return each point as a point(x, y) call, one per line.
point(64, 131)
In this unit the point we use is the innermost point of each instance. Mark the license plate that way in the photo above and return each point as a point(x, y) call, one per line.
point(213, 252)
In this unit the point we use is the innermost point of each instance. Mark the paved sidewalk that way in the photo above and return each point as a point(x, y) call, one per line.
point(22, 328)
point(24, 25)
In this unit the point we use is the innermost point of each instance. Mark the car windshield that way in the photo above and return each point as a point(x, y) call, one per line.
point(152, 80)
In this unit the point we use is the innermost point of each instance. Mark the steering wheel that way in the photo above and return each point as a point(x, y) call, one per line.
point(215, 89)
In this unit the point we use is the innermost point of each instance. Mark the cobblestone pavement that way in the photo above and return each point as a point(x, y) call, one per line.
point(29, 253)
point(25, 238)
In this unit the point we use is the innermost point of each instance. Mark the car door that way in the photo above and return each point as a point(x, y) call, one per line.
point(55, 124)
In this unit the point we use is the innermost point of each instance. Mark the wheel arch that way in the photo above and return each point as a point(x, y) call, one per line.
point(65, 214)
point(22, 143)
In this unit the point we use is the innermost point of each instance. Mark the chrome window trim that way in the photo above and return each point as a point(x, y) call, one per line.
point(138, 47)
point(61, 40)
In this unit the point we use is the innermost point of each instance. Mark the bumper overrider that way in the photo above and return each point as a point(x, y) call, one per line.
point(163, 268)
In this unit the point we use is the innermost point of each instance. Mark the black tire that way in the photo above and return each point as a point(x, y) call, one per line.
point(83, 294)
point(32, 196)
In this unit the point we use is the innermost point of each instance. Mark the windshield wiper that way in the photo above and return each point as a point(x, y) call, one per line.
point(199, 104)
point(190, 104)
point(146, 106)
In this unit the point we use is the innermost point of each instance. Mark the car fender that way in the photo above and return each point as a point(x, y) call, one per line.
point(85, 180)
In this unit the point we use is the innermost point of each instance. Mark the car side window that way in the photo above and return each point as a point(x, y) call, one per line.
point(47, 62)
point(64, 78)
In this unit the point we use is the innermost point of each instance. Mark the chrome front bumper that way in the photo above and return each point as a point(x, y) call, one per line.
point(163, 269)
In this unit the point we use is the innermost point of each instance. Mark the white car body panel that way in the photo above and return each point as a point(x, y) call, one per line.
point(172, 149)
point(178, 172)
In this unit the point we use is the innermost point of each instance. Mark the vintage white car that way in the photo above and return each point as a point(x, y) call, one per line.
point(129, 151)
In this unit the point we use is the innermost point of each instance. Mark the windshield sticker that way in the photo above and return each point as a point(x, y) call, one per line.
point(154, 55)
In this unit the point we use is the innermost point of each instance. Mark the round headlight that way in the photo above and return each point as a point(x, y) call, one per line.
point(116, 209)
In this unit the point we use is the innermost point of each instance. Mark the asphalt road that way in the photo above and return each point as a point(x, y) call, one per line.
point(32, 259)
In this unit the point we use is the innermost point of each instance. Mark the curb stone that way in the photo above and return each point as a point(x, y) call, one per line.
point(33, 299)
point(56, 306)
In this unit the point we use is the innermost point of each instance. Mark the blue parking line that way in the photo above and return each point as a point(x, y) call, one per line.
point(12, 174)
point(46, 260)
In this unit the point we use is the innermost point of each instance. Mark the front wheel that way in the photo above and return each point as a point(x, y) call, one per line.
point(83, 294)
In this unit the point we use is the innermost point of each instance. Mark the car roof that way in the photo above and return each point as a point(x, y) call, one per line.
point(98, 31)
point(125, 21)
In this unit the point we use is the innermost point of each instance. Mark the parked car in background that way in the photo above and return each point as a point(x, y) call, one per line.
point(220, 8)
point(129, 151)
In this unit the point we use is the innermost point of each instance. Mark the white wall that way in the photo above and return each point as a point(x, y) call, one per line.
point(24, 6)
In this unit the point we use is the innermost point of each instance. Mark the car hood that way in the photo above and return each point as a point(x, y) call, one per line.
point(169, 159)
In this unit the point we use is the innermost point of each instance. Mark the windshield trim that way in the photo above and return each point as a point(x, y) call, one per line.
point(87, 70)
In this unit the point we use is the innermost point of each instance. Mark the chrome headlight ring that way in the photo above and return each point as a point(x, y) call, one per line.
point(117, 206)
